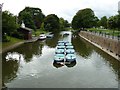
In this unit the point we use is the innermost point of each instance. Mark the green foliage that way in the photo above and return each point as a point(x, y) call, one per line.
point(11, 42)
point(107, 31)
point(67, 24)
point(62, 23)
point(8, 23)
point(42, 27)
point(51, 23)
point(32, 17)
point(114, 21)
point(84, 18)
point(103, 22)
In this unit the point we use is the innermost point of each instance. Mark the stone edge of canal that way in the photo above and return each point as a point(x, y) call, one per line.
point(103, 49)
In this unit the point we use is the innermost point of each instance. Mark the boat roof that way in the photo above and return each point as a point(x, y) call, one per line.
point(59, 50)
point(59, 55)
point(70, 50)
point(70, 55)
point(69, 46)
point(61, 44)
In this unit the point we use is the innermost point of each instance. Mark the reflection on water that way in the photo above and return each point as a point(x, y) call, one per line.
point(31, 65)
point(13, 56)
point(52, 42)
point(81, 48)
point(68, 64)
point(72, 64)
point(57, 65)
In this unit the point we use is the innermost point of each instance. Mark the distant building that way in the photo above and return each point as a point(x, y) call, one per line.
point(27, 32)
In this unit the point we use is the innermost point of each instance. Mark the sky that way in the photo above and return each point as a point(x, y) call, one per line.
point(64, 8)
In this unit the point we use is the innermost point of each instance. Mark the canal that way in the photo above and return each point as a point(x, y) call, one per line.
point(31, 66)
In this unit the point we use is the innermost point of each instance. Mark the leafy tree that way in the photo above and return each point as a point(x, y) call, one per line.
point(8, 24)
point(67, 23)
point(84, 18)
point(103, 22)
point(118, 22)
point(51, 23)
point(113, 22)
point(32, 17)
point(62, 23)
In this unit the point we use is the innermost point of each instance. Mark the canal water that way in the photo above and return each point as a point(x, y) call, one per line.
point(31, 66)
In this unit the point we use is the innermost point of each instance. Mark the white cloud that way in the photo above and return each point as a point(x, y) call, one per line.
point(63, 8)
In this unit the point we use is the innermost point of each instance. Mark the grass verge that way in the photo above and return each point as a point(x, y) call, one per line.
point(107, 31)
point(11, 42)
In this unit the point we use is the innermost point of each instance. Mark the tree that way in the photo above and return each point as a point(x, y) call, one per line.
point(113, 22)
point(63, 24)
point(8, 23)
point(32, 17)
point(51, 23)
point(67, 23)
point(84, 18)
point(103, 22)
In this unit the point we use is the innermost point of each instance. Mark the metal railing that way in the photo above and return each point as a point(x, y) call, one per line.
point(106, 35)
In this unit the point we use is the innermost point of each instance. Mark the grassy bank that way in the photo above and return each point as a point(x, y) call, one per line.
point(107, 31)
point(11, 42)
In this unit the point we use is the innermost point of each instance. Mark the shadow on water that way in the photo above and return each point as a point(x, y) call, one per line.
point(81, 47)
point(57, 65)
point(72, 64)
point(69, 65)
point(11, 60)
point(109, 60)
point(85, 49)
point(52, 42)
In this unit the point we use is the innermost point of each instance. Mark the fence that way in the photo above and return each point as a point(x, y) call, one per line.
point(106, 35)
point(110, 45)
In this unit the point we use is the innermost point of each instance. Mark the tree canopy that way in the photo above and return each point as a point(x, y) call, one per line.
point(103, 22)
point(63, 23)
point(84, 18)
point(8, 23)
point(114, 22)
point(51, 23)
point(32, 17)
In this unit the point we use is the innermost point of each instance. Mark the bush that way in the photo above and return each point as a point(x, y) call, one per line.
point(5, 39)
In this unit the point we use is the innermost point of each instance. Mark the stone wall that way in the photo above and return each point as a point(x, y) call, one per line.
point(110, 45)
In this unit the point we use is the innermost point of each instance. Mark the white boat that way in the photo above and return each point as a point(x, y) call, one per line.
point(68, 44)
point(42, 37)
point(70, 51)
point(60, 51)
point(60, 47)
point(70, 57)
point(61, 44)
point(49, 35)
point(64, 52)
point(69, 47)
point(59, 58)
